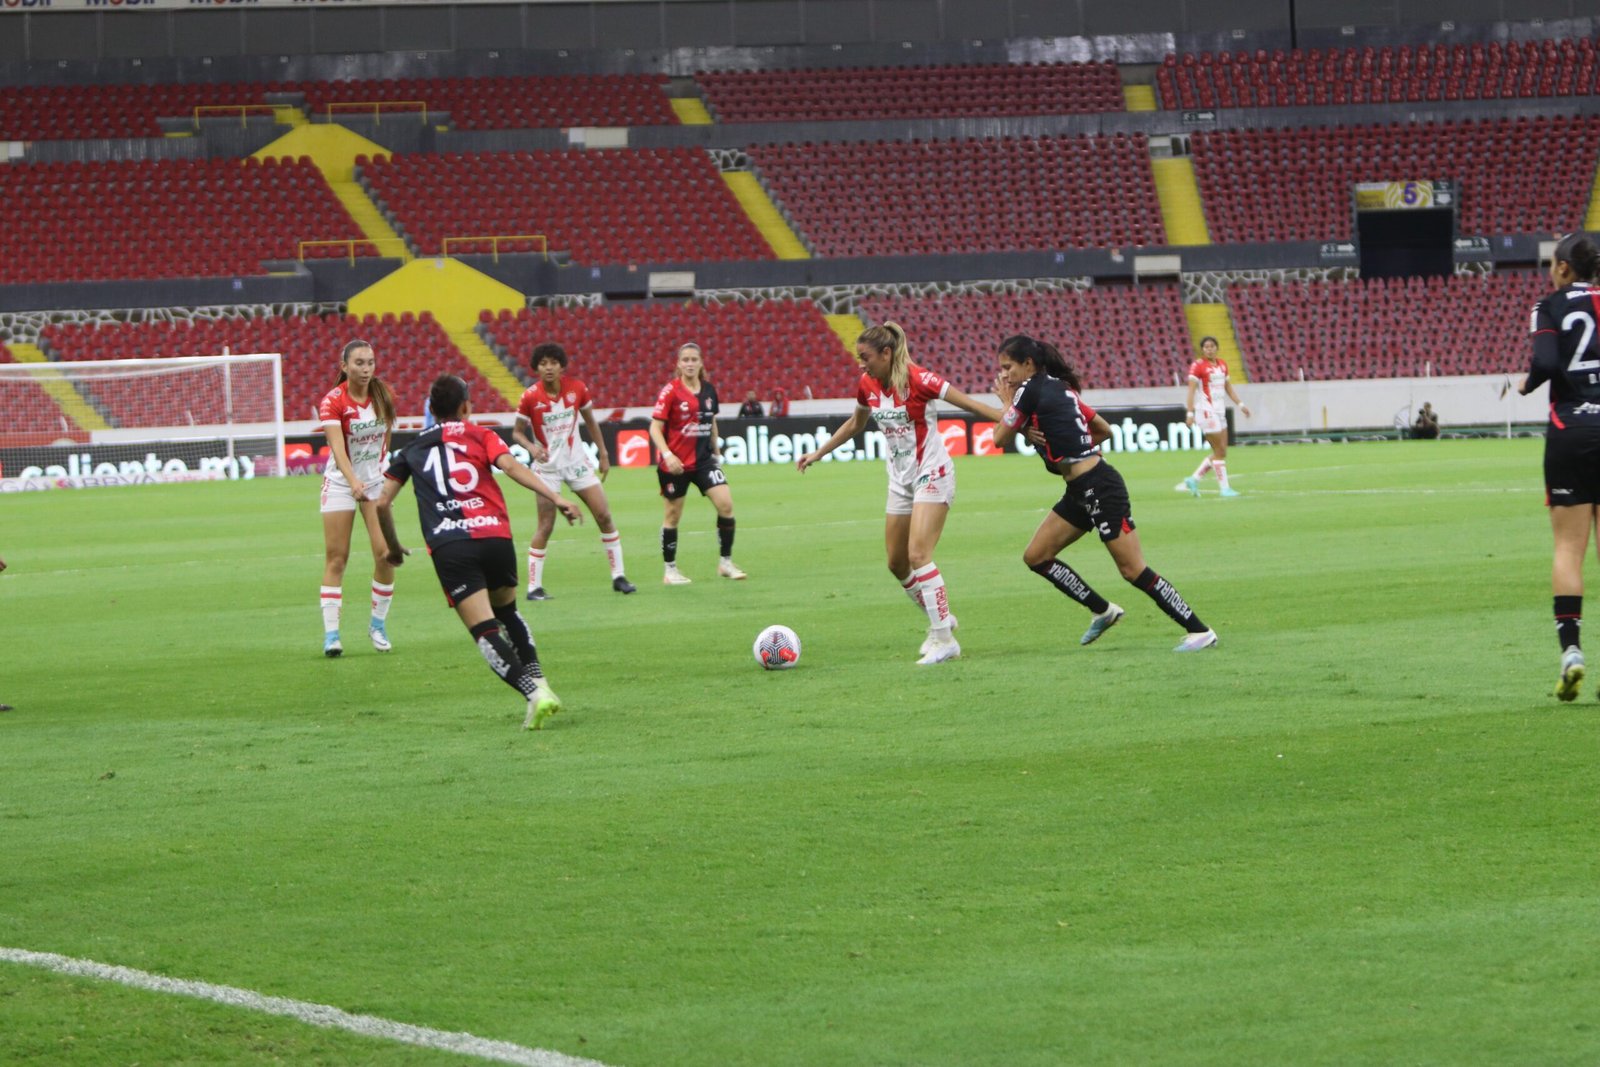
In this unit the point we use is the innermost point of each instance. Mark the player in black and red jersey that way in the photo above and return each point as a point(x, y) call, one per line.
point(1041, 394)
point(683, 427)
point(468, 534)
point(1566, 353)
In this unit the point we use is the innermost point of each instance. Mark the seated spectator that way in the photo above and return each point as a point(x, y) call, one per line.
point(751, 408)
point(1426, 427)
point(780, 405)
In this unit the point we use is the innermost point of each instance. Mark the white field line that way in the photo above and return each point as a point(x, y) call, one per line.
point(301, 1011)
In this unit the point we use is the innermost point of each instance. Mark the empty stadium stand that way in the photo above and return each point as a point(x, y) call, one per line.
point(411, 351)
point(153, 219)
point(928, 197)
point(627, 352)
point(1295, 184)
point(666, 205)
point(32, 416)
point(1386, 328)
point(911, 92)
point(1114, 336)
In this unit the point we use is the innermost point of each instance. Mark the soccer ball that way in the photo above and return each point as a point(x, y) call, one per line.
point(777, 648)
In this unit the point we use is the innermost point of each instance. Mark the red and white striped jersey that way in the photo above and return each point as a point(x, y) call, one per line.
point(555, 419)
point(1213, 378)
point(365, 435)
point(909, 423)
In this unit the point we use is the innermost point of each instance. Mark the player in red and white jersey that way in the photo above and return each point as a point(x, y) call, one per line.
point(547, 426)
point(1206, 407)
point(468, 533)
point(356, 415)
point(902, 397)
point(683, 427)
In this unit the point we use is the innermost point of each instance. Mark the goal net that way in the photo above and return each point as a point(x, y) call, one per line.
point(132, 421)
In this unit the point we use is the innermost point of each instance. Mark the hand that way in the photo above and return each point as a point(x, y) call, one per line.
point(1036, 437)
point(1188, 418)
point(806, 460)
point(538, 453)
point(397, 555)
point(570, 510)
point(674, 464)
point(1004, 389)
point(358, 488)
point(1245, 410)
point(605, 466)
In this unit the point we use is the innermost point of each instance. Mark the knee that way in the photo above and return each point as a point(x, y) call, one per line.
point(602, 519)
point(919, 558)
point(1130, 571)
point(336, 558)
point(1033, 557)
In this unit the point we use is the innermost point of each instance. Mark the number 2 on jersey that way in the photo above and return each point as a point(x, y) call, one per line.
point(469, 480)
point(1579, 363)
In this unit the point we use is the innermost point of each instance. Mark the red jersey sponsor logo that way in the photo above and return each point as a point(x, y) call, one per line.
point(953, 432)
point(633, 448)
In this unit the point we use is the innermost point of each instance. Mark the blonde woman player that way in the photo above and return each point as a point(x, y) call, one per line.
point(357, 415)
point(903, 397)
point(547, 426)
point(1206, 408)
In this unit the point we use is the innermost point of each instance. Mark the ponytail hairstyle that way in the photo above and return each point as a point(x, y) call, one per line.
point(1577, 250)
point(382, 398)
point(891, 335)
point(1021, 348)
point(447, 397)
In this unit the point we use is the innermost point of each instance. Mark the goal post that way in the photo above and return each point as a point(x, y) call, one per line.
point(133, 421)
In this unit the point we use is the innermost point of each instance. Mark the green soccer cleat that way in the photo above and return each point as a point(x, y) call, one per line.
point(543, 704)
point(1571, 674)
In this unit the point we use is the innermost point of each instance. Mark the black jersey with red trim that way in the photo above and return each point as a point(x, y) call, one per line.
point(687, 423)
point(457, 496)
point(1057, 411)
point(1566, 353)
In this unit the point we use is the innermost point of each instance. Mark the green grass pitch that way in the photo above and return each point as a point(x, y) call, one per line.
point(1360, 831)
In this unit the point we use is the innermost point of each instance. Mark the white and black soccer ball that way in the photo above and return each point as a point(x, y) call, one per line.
point(777, 648)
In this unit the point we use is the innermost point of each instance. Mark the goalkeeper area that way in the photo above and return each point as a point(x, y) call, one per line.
point(95, 423)
point(1360, 831)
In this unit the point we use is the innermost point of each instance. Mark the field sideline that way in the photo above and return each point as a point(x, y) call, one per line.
point(1361, 831)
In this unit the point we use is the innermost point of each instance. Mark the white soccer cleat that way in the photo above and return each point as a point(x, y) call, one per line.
point(674, 577)
point(944, 647)
point(1571, 674)
point(729, 569)
point(380, 636)
point(927, 642)
point(1100, 624)
point(543, 704)
point(1195, 642)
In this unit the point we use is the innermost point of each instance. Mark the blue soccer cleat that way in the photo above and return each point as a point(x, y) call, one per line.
point(1101, 623)
point(331, 646)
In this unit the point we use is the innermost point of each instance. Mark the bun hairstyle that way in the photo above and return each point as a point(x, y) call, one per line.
point(891, 335)
point(1578, 251)
point(1024, 349)
point(447, 397)
point(378, 389)
point(547, 350)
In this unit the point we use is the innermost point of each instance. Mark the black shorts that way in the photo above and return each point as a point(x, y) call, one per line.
point(1572, 466)
point(676, 486)
point(467, 565)
point(1098, 500)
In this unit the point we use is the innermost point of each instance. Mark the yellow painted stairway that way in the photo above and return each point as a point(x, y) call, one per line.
point(765, 214)
point(1214, 320)
point(62, 391)
point(1182, 213)
point(1591, 218)
point(691, 111)
point(334, 149)
point(847, 328)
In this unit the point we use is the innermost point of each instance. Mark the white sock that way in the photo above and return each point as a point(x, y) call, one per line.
point(1204, 468)
point(382, 597)
point(535, 568)
point(910, 587)
point(332, 599)
point(1221, 467)
point(612, 543)
point(935, 601)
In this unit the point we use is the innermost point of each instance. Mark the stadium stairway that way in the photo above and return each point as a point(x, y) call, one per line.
point(454, 293)
point(66, 396)
point(1182, 213)
point(1591, 217)
point(1139, 97)
point(847, 328)
point(1215, 320)
point(746, 188)
point(691, 111)
point(334, 149)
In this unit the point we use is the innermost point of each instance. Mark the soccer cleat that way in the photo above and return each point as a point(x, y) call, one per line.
point(1571, 674)
point(1100, 624)
point(543, 704)
point(729, 569)
point(1229, 490)
point(674, 577)
point(943, 647)
point(1195, 642)
point(621, 584)
point(330, 644)
point(380, 636)
point(1192, 484)
point(538, 593)
point(1181, 487)
point(927, 642)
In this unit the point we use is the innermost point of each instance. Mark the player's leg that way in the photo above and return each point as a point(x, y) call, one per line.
point(1055, 533)
point(543, 703)
point(927, 525)
point(1219, 459)
point(594, 498)
point(382, 579)
point(1129, 557)
point(721, 498)
point(536, 548)
point(1571, 527)
point(672, 514)
point(336, 529)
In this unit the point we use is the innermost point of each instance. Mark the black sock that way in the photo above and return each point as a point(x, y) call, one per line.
point(725, 535)
point(521, 639)
point(669, 544)
point(1163, 593)
point(502, 658)
point(1067, 580)
point(1569, 620)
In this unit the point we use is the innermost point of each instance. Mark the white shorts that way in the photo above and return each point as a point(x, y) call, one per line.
point(579, 474)
point(930, 487)
point(336, 494)
point(1209, 420)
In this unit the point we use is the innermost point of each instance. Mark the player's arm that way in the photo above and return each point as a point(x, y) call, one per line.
point(1546, 361)
point(522, 434)
point(523, 476)
point(716, 441)
point(341, 457)
point(397, 553)
point(967, 403)
point(658, 438)
point(1228, 385)
point(1099, 428)
point(852, 426)
point(593, 427)
point(1188, 400)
